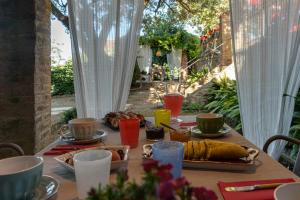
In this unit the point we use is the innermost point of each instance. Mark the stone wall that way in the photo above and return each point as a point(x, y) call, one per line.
point(225, 34)
point(25, 73)
point(42, 75)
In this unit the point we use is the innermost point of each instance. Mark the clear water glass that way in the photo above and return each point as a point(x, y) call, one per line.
point(92, 168)
point(169, 152)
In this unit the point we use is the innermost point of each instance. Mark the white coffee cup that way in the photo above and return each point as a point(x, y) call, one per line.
point(288, 191)
point(83, 128)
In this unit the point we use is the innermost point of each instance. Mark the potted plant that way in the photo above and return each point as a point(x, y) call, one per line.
point(157, 184)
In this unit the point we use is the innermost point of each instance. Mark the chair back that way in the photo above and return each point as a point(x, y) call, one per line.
point(13, 146)
point(296, 169)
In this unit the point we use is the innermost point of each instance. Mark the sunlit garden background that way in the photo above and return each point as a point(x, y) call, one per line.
point(208, 81)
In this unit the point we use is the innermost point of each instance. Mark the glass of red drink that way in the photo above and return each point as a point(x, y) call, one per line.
point(129, 132)
point(174, 103)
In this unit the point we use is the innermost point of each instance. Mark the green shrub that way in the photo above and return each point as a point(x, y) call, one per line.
point(69, 115)
point(295, 127)
point(222, 98)
point(136, 75)
point(188, 107)
point(195, 75)
point(62, 79)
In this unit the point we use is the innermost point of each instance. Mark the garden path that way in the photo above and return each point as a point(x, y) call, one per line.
point(142, 100)
point(145, 99)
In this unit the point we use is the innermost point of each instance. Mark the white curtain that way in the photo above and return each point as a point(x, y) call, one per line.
point(174, 61)
point(266, 39)
point(144, 58)
point(104, 38)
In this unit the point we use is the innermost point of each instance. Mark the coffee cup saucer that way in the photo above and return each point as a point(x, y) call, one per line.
point(195, 131)
point(47, 188)
point(69, 138)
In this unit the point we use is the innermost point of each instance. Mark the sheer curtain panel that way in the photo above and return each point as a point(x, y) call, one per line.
point(144, 58)
point(104, 35)
point(174, 61)
point(266, 39)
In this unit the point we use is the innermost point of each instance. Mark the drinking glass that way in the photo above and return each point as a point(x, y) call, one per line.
point(169, 152)
point(129, 131)
point(174, 103)
point(162, 116)
point(92, 167)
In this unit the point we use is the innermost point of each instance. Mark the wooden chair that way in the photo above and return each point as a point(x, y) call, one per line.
point(296, 169)
point(13, 146)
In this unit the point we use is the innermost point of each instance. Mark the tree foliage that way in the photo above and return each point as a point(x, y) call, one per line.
point(204, 14)
point(165, 31)
point(62, 79)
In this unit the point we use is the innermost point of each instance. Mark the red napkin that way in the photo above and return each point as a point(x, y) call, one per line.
point(62, 149)
point(188, 124)
point(266, 194)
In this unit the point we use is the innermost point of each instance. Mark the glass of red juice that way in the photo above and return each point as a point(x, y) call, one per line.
point(174, 103)
point(129, 132)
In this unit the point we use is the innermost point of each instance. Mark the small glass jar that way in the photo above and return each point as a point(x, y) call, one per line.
point(155, 133)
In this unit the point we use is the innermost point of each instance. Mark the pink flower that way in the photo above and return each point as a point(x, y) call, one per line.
point(180, 182)
point(210, 32)
point(165, 191)
point(203, 38)
point(163, 175)
point(148, 165)
point(254, 2)
point(166, 167)
point(202, 193)
point(294, 28)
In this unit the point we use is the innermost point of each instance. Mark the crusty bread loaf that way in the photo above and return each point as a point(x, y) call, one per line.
point(213, 150)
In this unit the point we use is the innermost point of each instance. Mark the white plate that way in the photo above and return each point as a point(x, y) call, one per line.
point(68, 138)
point(114, 164)
point(289, 191)
point(47, 188)
point(197, 133)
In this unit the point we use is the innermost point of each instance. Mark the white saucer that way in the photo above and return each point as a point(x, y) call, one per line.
point(68, 138)
point(197, 133)
point(47, 188)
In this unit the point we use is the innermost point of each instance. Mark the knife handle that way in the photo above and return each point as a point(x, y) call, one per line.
point(267, 186)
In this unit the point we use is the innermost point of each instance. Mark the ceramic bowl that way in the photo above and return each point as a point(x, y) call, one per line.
point(289, 191)
point(210, 122)
point(180, 135)
point(19, 177)
point(83, 128)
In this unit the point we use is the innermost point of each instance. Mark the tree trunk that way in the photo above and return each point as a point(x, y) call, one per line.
point(226, 54)
point(184, 64)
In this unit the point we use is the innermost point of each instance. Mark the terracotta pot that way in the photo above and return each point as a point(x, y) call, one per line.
point(158, 53)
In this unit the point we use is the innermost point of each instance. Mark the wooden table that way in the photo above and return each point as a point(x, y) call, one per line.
point(267, 168)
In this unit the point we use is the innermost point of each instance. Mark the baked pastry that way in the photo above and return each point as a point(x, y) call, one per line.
point(117, 154)
point(213, 150)
point(113, 118)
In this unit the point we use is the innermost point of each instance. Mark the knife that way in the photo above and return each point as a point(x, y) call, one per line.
point(252, 187)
